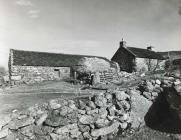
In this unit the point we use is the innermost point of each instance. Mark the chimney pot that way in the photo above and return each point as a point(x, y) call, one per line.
point(149, 48)
point(123, 43)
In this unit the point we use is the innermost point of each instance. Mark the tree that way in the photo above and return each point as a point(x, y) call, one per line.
point(152, 64)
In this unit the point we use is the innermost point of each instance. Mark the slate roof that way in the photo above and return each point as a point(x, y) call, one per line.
point(144, 53)
point(32, 58)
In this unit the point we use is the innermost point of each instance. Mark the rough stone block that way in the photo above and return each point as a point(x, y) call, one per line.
point(106, 130)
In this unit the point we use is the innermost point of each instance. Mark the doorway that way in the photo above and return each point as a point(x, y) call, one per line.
point(57, 73)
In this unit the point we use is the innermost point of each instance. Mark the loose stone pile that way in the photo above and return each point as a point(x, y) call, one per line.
point(150, 89)
point(127, 76)
point(100, 116)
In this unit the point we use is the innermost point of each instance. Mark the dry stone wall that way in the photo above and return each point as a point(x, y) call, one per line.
point(32, 74)
point(101, 116)
point(107, 76)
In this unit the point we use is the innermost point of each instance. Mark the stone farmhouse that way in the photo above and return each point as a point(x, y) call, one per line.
point(31, 66)
point(136, 59)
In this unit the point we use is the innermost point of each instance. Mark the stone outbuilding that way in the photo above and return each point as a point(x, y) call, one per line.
point(136, 59)
point(31, 66)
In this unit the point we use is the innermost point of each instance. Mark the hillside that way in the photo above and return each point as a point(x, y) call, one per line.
point(172, 54)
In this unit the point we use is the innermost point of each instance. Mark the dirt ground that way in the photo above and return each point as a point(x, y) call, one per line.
point(24, 96)
point(44, 87)
point(10, 102)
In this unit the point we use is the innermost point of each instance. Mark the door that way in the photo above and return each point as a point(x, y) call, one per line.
point(57, 73)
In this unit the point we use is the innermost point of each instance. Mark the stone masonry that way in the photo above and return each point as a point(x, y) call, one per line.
point(32, 74)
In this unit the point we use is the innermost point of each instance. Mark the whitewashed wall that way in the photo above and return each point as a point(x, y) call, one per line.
point(141, 64)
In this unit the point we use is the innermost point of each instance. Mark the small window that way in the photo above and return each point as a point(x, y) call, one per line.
point(56, 69)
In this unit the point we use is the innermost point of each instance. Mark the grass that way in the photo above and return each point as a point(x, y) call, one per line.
point(44, 87)
point(147, 133)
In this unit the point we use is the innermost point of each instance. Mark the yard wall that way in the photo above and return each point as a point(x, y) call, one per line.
point(33, 74)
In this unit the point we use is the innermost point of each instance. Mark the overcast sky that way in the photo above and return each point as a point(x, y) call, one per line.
point(93, 27)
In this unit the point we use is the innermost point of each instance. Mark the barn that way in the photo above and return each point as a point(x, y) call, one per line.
point(136, 59)
point(32, 66)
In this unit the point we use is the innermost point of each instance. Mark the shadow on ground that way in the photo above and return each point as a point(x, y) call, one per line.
point(159, 117)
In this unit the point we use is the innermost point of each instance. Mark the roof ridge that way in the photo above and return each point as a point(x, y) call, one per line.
point(58, 53)
point(139, 48)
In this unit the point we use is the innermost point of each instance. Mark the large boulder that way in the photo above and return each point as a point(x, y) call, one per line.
point(15, 124)
point(42, 119)
point(59, 137)
point(84, 128)
point(100, 123)
point(139, 108)
point(103, 112)
point(177, 87)
point(55, 121)
point(174, 100)
point(3, 133)
point(4, 121)
point(121, 95)
point(106, 130)
point(54, 104)
point(149, 86)
point(86, 119)
point(66, 129)
point(100, 101)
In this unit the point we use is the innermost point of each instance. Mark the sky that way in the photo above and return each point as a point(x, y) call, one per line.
point(89, 27)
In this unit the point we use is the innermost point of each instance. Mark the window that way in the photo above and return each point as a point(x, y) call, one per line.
point(56, 69)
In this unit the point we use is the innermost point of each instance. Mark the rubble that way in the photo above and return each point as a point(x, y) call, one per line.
point(150, 89)
point(101, 115)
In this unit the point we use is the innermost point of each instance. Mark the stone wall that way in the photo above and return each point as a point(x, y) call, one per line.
point(32, 74)
point(107, 76)
point(99, 116)
point(96, 117)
